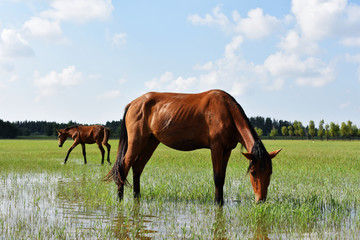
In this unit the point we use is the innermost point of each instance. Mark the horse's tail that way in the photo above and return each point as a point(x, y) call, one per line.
point(117, 171)
point(106, 135)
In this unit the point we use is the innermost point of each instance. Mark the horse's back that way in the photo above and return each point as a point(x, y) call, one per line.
point(181, 121)
point(91, 134)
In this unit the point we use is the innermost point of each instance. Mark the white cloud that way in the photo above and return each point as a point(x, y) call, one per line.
point(13, 45)
point(299, 55)
point(167, 82)
point(309, 72)
point(117, 39)
point(352, 58)
point(351, 41)
point(47, 25)
point(256, 25)
point(230, 72)
point(110, 94)
point(204, 67)
point(42, 28)
point(238, 88)
point(13, 78)
point(318, 18)
point(234, 45)
point(158, 83)
point(181, 84)
point(217, 18)
point(49, 84)
point(284, 65)
point(6, 80)
point(293, 43)
point(79, 10)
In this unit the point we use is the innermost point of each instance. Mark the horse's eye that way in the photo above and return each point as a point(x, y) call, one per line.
point(253, 173)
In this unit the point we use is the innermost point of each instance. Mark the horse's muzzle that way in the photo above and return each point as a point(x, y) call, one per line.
point(60, 145)
point(258, 199)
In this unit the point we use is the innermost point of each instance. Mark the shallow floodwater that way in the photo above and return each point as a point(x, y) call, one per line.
point(34, 206)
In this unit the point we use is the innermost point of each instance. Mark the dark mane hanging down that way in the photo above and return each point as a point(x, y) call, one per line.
point(258, 150)
point(253, 132)
point(260, 154)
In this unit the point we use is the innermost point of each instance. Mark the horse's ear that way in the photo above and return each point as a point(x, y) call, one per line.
point(248, 156)
point(274, 153)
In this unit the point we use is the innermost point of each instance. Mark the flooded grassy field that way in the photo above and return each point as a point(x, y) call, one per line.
point(314, 194)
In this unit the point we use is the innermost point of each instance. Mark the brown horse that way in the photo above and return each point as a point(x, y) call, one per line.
point(211, 119)
point(86, 134)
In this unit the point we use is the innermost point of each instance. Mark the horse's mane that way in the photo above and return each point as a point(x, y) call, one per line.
point(68, 128)
point(259, 154)
point(258, 150)
point(252, 130)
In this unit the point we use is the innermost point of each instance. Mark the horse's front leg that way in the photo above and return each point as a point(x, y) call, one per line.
point(69, 151)
point(219, 159)
point(84, 152)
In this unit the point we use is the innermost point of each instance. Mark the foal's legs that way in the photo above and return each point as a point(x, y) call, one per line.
point(141, 161)
point(108, 146)
point(70, 149)
point(220, 159)
point(84, 153)
point(102, 152)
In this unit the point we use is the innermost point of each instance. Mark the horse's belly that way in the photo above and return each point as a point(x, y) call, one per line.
point(183, 140)
point(185, 145)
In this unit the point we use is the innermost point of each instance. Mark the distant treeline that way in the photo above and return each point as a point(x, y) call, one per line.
point(274, 128)
point(44, 128)
point(268, 127)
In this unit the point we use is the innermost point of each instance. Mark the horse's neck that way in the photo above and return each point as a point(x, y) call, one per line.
point(247, 139)
point(71, 132)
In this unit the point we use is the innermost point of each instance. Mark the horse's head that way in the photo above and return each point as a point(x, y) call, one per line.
point(62, 137)
point(260, 169)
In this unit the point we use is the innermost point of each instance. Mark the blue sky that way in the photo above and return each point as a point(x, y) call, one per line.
point(84, 60)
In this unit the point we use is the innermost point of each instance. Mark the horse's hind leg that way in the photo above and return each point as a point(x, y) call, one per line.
point(136, 144)
point(102, 152)
point(140, 163)
point(84, 152)
point(108, 146)
point(220, 159)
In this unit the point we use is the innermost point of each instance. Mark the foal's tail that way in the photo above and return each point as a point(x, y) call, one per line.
point(106, 135)
point(117, 171)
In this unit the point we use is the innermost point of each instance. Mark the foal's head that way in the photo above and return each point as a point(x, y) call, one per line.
point(62, 136)
point(260, 169)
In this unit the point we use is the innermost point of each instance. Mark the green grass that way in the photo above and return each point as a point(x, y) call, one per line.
point(314, 193)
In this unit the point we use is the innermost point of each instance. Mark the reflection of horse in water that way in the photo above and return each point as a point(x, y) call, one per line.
point(86, 134)
point(211, 119)
point(133, 226)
